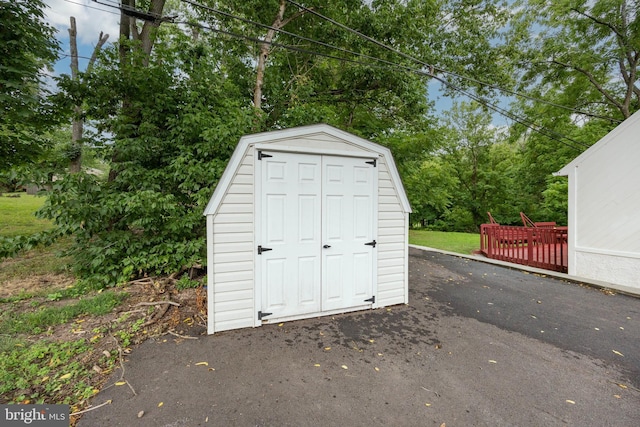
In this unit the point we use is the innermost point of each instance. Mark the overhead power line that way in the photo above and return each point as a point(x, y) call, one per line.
point(92, 7)
point(432, 69)
point(430, 73)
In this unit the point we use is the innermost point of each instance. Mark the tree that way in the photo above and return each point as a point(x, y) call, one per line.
point(482, 165)
point(172, 138)
point(27, 47)
point(586, 52)
point(78, 121)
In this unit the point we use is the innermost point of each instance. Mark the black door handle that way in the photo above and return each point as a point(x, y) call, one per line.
point(326, 246)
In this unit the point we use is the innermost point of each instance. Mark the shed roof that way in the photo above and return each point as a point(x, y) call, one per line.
point(301, 132)
point(613, 137)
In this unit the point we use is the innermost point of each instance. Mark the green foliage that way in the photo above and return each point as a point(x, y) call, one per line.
point(185, 283)
point(173, 139)
point(587, 52)
point(42, 371)
point(27, 47)
point(38, 321)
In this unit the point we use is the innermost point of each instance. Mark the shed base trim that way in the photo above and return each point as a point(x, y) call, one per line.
point(318, 314)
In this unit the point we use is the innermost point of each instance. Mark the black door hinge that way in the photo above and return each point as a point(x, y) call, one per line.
point(261, 315)
point(261, 249)
point(373, 162)
point(374, 243)
point(261, 155)
point(372, 300)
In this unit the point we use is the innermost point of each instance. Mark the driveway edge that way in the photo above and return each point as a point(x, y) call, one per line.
point(582, 280)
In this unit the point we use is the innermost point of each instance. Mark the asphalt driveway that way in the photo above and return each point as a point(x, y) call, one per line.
point(478, 345)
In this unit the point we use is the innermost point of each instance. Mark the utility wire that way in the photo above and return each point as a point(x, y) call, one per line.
point(433, 68)
point(92, 7)
point(431, 73)
point(551, 134)
point(524, 122)
point(531, 98)
point(280, 30)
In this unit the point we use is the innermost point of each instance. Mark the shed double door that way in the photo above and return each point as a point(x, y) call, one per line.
point(316, 233)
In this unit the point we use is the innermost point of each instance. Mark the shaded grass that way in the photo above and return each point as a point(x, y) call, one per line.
point(37, 321)
point(17, 215)
point(461, 243)
point(42, 260)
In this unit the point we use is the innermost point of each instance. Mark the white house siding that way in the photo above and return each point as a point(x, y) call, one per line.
point(604, 206)
point(392, 243)
point(233, 252)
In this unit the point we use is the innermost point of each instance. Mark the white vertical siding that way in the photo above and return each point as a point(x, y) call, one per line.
point(232, 245)
point(392, 243)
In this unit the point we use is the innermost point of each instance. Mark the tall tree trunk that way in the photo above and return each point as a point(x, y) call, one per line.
point(75, 162)
point(129, 30)
point(265, 48)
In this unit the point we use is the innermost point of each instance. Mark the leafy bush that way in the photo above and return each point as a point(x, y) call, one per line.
point(171, 145)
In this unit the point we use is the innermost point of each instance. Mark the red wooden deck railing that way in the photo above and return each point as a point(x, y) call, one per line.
point(533, 246)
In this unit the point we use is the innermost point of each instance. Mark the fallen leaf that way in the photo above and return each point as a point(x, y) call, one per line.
point(97, 368)
point(377, 369)
point(492, 361)
point(622, 386)
point(618, 353)
point(321, 334)
point(617, 396)
point(121, 383)
point(65, 376)
point(539, 302)
point(160, 404)
point(570, 401)
point(388, 309)
point(45, 378)
point(443, 425)
point(372, 340)
point(327, 348)
point(317, 365)
point(211, 369)
point(379, 354)
point(344, 367)
point(427, 404)
point(597, 329)
point(621, 328)
point(106, 353)
point(438, 346)
point(202, 364)
point(280, 324)
point(140, 414)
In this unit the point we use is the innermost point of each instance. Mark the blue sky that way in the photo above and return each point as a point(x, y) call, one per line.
point(91, 18)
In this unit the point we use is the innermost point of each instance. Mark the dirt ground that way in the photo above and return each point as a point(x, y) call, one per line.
point(151, 307)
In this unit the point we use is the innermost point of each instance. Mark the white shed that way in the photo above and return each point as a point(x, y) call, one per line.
point(604, 208)
point(305, 222)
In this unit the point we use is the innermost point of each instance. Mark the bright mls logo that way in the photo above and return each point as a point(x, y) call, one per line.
point(34, 415)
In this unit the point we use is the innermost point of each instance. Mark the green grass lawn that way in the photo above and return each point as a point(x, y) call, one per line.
point(17, 219)
point(17, 215)
point(461, 243)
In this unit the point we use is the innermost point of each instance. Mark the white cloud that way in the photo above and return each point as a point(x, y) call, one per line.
point(91, 18)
